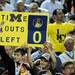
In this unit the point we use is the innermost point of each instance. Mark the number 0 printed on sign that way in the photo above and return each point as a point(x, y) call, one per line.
point(37, 29)
point(39, 37)
point(23, 28)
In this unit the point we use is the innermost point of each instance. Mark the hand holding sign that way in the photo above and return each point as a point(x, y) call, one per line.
point(23, 29)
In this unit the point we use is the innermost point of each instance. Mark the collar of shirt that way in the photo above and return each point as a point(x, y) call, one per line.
point(71, 53)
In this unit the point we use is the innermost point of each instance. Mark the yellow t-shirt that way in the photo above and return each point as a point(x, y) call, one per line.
point(57, 34)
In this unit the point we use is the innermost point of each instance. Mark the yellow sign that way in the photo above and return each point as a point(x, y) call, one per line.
point(17, 28)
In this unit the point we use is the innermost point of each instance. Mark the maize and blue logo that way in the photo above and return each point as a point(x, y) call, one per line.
point(37, 23)
point(37, 27)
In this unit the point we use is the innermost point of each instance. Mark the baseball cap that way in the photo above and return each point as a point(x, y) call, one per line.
point(46, 56)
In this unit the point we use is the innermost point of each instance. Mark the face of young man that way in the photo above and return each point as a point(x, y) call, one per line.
point(34, 8)
point(69, 45)
point(20, 7)
point(60, 15)
point(17, 56)
point(43, 64)
point(69, 69)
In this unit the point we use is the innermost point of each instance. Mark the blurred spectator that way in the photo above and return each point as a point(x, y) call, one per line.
point(58, 16)
point(18, 54)
point(51, 6)
point(24, 70)
point(69, 54)
point(5, 6)
point(45, 61)
point(39, 52)
point(8, 62)
point(69, 5)
point(57, 31)
point(20, 7)
point(36, 55)
point(34, 7)
point(20, 58)
point(43, 64)
point(14, 2)
point(9, 50)
point(72, 34)
point(68, 68)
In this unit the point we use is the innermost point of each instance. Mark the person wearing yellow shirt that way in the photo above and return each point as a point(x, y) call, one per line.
point(58, 30)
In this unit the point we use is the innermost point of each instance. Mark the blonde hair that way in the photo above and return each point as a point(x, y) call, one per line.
point(68, 38)
point(33, 5)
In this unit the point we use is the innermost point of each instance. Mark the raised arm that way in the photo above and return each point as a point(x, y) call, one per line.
point(52, 53)
point(29, 56)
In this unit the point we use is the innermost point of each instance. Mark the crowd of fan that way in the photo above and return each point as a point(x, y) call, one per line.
point(44, 60)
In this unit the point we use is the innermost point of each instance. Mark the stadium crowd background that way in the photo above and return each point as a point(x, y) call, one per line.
point(53, 58)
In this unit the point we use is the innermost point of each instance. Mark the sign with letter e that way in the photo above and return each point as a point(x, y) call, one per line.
point(23, 28)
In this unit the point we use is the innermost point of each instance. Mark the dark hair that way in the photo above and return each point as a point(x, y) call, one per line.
point(55, 11)
point(72, 32)
point(20, 50)
point(66, 64)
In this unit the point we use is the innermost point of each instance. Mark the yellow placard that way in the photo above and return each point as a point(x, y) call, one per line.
point(15, 29)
